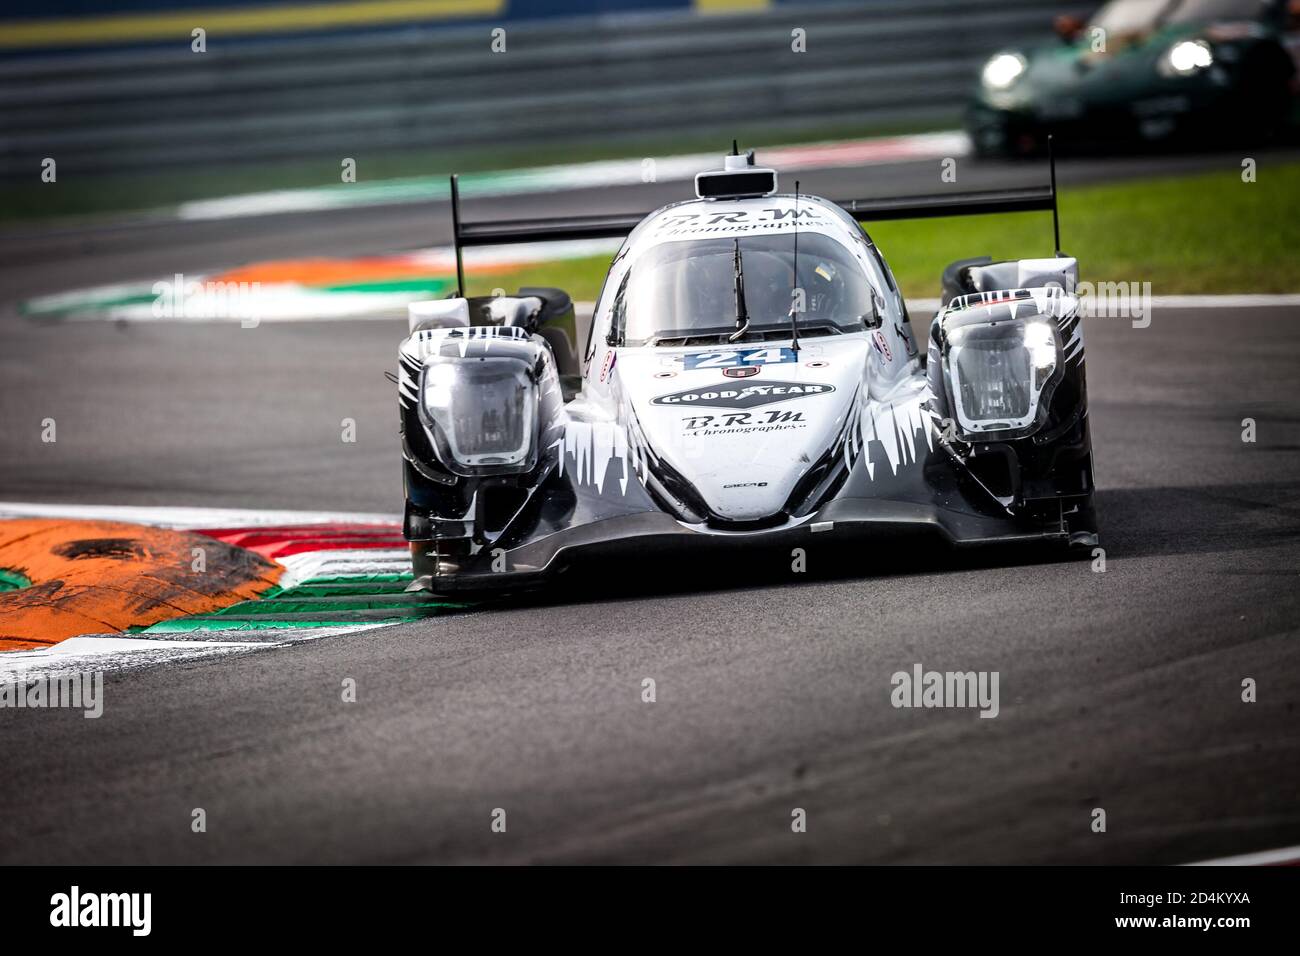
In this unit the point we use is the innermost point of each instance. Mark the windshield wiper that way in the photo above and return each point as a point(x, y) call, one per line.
point(742, 312)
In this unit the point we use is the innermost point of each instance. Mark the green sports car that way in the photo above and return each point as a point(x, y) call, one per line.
point(1151, 71)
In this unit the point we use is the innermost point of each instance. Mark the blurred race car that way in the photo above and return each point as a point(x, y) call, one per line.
point(749, 378)
point(1153, 71)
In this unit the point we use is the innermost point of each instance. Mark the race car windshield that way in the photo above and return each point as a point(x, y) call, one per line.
point(1202, 11)
point(687, 289)
point(1127, 17)
point(1124, 17)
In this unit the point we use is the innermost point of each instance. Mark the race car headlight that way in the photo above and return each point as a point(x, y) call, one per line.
point(482, 414)
point(1186, 57)
point(1001, 375)
point(1003, 70)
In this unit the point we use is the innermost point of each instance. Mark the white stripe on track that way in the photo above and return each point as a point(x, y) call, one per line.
point(600, 173)
point(1121, 305)
point(182, 517)
point(1290, 854)
point(93, 652)
point(110, 652)
point(339, 563)
point(1239, 301)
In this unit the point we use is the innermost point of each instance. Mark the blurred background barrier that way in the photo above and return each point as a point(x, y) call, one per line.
point(121, 92)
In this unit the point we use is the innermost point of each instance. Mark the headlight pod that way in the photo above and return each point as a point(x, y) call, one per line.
point(1185, 58)
point(1003, 69)
point(482, 414)
point(1001, 376)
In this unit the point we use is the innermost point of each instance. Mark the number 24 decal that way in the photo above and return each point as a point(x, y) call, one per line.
point(737, 357)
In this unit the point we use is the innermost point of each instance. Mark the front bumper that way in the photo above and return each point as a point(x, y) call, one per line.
point(656, 535)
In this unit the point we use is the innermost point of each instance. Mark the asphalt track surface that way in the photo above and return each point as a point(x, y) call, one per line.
point(1119, 690)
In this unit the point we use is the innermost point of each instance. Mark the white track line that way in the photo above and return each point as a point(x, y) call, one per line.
point(182, 517)
point(1121, 305)
point(1290, 854)
point(107, 653)
point(874, 151)
point(1242, 301)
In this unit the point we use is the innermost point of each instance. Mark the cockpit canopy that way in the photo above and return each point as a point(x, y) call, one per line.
point(688, 289)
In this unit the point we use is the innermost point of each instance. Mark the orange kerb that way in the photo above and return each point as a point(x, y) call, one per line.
point(101, 576)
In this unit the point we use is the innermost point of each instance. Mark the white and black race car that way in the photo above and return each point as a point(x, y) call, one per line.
point(749, 377)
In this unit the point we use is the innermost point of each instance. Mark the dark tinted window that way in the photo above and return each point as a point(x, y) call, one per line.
point(678, 289)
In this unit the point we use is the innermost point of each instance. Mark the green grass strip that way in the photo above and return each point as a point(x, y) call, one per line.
point(188, 625)
point(433, 285)
point(328, 602)
point(320, 605)
point(12, 580)
point(1205, 233)
point(355, 578)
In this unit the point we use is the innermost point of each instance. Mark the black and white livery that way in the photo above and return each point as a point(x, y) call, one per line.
point(749, 377)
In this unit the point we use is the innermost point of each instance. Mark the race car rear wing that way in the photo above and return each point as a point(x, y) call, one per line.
point(608, 226)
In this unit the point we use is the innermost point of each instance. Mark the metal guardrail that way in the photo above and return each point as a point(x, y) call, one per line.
point(867, 63)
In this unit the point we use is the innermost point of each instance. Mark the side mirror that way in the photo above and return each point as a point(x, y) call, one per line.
point(1067, 27)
